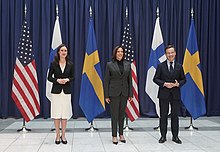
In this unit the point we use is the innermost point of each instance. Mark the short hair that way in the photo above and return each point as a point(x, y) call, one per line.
point(115, 51)
point(169, 46)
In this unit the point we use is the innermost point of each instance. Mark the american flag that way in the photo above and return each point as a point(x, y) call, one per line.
point(132, 109)
point(25, 84)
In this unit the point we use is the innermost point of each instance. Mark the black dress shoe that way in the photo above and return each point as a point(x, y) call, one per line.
point(177, 140)
point(162, 139)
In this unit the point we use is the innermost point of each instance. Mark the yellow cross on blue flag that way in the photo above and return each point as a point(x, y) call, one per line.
point(192, 93)
point(91, 93)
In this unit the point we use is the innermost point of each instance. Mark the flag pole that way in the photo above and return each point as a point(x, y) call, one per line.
point(23, 128)
point(91, 128)
point(191, 127)
point(158, 127)
point(127, 128)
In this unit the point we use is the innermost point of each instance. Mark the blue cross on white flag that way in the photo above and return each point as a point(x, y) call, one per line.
point(157, 55)
point(56, 41)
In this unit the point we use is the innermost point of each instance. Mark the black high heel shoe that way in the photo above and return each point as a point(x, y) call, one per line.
point(115, 142)
point(57, 142)
point(122, 140)
point(63, 141)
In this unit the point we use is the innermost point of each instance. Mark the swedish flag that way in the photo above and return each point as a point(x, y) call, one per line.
point(192, 92)
point(91, 94)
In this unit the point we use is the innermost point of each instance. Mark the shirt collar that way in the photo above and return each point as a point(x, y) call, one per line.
point(168, 62)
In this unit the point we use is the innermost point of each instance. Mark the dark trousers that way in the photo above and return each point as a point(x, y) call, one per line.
point(117, 107)
point(164, 109)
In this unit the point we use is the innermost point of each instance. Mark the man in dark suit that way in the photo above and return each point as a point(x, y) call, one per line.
point(169, 77)
point(118, 89)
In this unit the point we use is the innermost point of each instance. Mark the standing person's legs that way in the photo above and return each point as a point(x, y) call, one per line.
point(175, 106)
point(63, 124)
point(121, 116)
point(164, 108)
point(114, 107)
point(57, 127)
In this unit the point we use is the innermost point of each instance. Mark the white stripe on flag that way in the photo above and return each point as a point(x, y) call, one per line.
point(33, 71)
point(24, 88)
point(131, 109)
point(22, 102)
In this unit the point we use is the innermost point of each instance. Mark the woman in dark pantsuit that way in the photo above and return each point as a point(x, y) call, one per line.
point(118, 89)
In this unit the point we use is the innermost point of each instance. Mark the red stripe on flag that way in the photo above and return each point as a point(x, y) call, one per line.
point(135, 94)
point(33, 79)
point(23, 94)
point(21, 109)
point(134, 76)
point(133, 73)
point(24, 80)
point(129, 114)
point(31, 74)
point(27, 85)
point(134, 106)
point(136, 110)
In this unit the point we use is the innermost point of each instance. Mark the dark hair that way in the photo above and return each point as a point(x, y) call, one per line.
point(115, 51)
point(169, 46)
point(57, 56)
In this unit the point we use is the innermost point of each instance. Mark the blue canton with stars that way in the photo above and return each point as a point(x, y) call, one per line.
point(127, 44)
point(24, 54)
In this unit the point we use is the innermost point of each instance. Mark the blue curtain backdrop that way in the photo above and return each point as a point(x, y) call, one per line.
point(109, 18)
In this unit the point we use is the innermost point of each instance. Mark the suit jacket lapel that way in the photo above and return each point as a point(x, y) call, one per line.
point(175, 66)
point(116, 67)
point(65, 68)
point(166, 66)
point(61, 69)
point(125, 65)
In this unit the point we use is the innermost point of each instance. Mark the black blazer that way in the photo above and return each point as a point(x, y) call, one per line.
point(56, 71)
point(116, 83)
point(163, 75)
